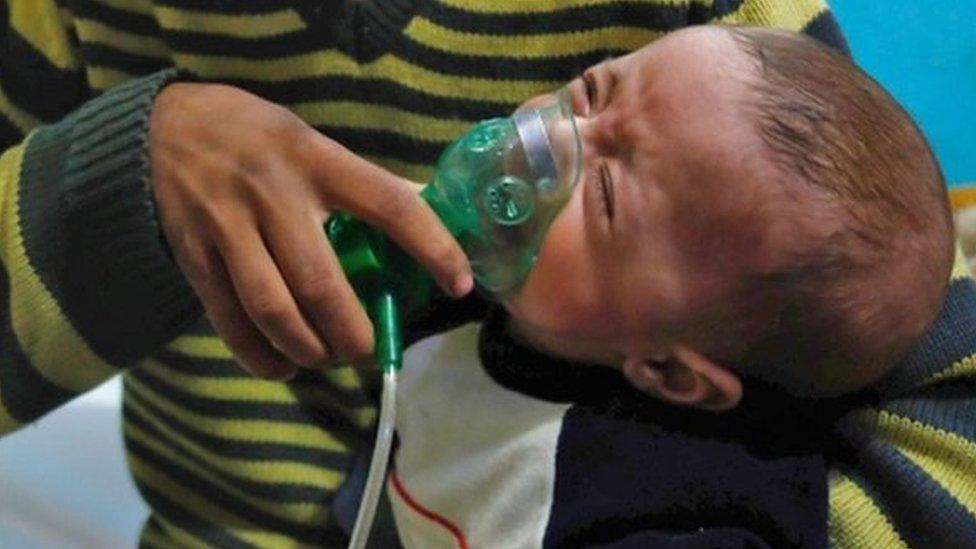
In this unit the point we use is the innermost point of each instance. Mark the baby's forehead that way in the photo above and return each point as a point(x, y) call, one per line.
point(691, 50)
point(700, 75)
point(689, 132)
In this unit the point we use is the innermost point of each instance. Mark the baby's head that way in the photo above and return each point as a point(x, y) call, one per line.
point(751, 203)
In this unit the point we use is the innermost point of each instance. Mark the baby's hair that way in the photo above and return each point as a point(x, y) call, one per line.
point(854, 300)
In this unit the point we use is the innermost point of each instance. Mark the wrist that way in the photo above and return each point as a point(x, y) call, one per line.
point(89, 224)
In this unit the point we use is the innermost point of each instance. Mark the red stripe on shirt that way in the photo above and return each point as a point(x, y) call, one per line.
point(427, 513)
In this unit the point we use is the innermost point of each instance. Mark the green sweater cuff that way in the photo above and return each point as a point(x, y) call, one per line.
point(102, 254)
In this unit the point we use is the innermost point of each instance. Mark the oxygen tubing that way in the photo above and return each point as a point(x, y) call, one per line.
point(389, 357)
point(377, 466)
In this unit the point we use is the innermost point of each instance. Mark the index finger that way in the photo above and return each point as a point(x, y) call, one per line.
point(390, 204)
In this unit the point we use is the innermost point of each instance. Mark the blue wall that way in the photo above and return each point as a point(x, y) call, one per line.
point(924, 52)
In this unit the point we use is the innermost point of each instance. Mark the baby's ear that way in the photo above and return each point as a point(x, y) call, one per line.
point(686, 379)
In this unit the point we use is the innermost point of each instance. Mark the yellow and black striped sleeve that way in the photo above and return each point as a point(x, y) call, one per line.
point(906, 476)
point(811, 17)
point(86, 285)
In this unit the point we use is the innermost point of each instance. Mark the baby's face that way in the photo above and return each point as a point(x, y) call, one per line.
point(669, 212)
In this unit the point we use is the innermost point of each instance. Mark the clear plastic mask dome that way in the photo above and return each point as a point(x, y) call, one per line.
point(500, 186)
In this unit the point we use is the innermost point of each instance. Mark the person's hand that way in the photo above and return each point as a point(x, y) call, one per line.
point(242, 189)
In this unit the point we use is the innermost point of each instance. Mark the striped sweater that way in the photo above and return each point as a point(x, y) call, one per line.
point(89, 292)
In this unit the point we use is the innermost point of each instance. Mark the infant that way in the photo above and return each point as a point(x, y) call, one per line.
point(751, 203)
point(754, 211)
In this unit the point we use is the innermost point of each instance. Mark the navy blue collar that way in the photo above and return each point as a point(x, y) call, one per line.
point(767, 420)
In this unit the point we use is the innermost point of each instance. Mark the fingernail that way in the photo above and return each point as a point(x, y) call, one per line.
point(463, 285)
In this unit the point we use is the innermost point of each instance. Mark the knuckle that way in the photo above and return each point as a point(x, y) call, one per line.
point(252, 171)
point(305, 142)
point(255, 181)
point(267, 310)
point(220, 227)
point(394, 208)
point(398, 202)
point(192, 260)
point(255, 172)
point(281, 122)
point(316, 152)
point(316, 290)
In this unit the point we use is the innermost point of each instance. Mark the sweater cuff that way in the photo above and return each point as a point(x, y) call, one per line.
point(116, 280)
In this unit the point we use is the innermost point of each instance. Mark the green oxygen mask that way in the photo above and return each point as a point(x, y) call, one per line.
point(497, 189)
point(500, 186)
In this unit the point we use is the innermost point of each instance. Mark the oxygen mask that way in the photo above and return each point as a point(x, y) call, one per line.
point(499, 187)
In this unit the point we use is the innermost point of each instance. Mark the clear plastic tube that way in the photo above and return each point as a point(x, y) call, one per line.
point(377, 466)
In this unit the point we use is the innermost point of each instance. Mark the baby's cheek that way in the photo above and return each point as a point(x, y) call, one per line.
point(561, 288)
point(549, 309)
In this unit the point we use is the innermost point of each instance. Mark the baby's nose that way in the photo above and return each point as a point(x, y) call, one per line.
point(599, 135)
point(591, 136)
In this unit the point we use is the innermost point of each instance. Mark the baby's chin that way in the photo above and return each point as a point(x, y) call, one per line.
point(537, 302)
point(514, 304)
point(553, 305)
point(545, 322)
